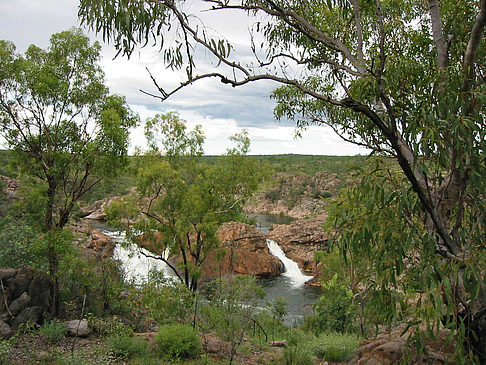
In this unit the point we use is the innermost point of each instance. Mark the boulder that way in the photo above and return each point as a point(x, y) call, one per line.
point(391, 347)
point(215, 345)
point(245, 252)
point(29, 315)
point(300, 239)
point(25, 296)
point(7, 273)
point(78, 327)
point(5, 330)
point(19, 304)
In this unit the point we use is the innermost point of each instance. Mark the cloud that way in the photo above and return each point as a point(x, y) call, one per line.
point(220, 109)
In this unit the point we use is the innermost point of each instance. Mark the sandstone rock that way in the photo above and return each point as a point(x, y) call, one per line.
point(215, 345)
point(281, 343)
point(299, 240)
point(19, 304)
point(78, 326)
point(29, 315)
point(391, 348)
point(5, 330)
point(246, 253)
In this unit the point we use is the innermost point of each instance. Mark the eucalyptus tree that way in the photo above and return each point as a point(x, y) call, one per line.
point(184, 200)
point(66, 131)
point(402, 78)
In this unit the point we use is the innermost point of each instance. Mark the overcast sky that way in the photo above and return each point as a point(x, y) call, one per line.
point(221, 110)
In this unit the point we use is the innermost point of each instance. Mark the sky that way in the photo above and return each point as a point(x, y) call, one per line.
point(221, 110)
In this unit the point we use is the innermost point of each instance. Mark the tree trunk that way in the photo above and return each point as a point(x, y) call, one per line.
point(52, 252)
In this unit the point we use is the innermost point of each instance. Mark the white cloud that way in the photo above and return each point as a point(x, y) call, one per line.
point(221, 110)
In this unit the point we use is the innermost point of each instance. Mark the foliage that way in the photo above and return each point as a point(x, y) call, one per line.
point(20, 244)
point(231, 312)
point(125, 346)
point(94, 283)
point(166, 301)
point(335, 310)
point(108, 327)
point(405, 79)
point(63, 127)
point(177, 341)
point(336, 347)
point(187, 199)
point(52, 331)
point(5, 348)
point(296, 351)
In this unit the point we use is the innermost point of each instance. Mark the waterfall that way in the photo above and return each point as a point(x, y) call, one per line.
point(135, 265)
point(291, 269)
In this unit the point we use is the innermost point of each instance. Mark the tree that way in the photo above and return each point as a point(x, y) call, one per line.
point(63, 126)
point(185, 200)
point(402, 78)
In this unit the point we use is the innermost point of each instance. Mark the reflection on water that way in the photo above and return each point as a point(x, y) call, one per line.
point(264, 221)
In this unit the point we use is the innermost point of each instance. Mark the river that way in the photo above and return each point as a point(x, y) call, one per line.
point(289, 285)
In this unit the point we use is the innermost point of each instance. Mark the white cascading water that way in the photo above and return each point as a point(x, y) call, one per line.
point(135, 265)
point(292, 270)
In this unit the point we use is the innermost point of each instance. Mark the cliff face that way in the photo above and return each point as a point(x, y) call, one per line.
point(300, 239)
point(246, 253)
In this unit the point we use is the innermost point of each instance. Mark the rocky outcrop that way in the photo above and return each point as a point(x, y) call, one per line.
point(96, 211)
point(295, 195)
point(245, 252)
point(94, 244)
point(392, 348)
point(24, 298)
point(300, 239)
point(11, 187)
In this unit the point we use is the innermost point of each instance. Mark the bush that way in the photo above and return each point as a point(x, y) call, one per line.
point(178, 341)
point(52, 331)
point(109, 327)
point(124, 346)
point(335, 310)
point(296, 353)
point(335, 347)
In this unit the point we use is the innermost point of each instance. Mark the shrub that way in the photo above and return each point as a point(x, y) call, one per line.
point(125, 346)
point(178, 341)
point(335, 310)
point(108, 327)
point(296, 353)
point(52, 331)
point(335, 347)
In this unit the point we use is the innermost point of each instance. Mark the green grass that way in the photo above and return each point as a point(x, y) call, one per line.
point(335, 346)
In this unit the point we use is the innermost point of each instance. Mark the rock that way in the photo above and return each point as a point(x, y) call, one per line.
point(19, 304)
point(281, 343)
point(246, 253)
point(96, 211)
point(215, 345)
point(295, 195)
point(29, 315)
point(5, 330)
point(22, 281)
point(7, 273)
point(391, 348)
point(40, 290)
point(78, 326)
point(243, 250)
point(299, 240)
